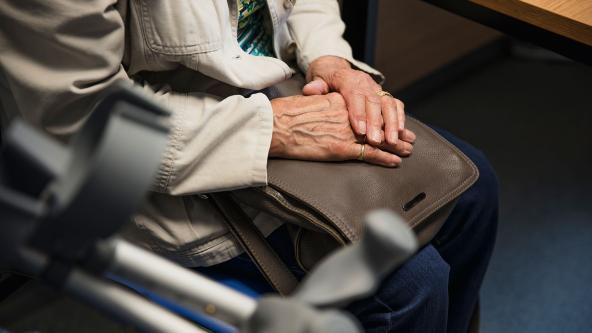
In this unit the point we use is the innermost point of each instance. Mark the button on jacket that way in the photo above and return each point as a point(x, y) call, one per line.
point(56, 57)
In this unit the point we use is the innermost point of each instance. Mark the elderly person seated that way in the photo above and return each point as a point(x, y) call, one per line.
point(245, 80)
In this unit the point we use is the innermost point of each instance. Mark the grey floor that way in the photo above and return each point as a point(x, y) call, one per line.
point(534, 121)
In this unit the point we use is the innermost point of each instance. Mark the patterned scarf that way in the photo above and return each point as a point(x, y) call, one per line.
point(254, 37)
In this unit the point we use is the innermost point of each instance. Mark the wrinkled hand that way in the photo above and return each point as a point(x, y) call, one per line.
point(317, 128)
point(379, 118)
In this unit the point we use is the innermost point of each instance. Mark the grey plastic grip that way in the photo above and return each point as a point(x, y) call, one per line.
point(112, 164)
point(357, 270)
point(275, 314)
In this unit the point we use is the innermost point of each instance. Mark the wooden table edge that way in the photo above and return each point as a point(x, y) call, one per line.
point(542, 18)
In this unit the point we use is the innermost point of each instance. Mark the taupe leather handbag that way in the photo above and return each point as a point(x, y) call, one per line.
point(325, 202)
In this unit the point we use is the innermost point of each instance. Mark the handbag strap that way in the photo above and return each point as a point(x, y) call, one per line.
point(254, 243)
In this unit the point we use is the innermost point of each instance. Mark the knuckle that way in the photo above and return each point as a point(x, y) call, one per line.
point(391, 104)
point(358, 113)
point(373, 98)
point(364, 76)
point(360, 74)
point(336, 150)
point(336, 100)
point(333, 96)
point(377, 122)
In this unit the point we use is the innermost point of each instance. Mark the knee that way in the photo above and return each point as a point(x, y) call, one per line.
point(414, 295)
point(427, 277)
point(420, 284)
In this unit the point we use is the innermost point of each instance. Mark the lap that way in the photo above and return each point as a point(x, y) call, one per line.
point(416, 296)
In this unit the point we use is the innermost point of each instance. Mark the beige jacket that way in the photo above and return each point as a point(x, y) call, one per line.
point(57, 56)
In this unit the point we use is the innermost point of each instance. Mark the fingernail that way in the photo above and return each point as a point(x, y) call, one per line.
point(394, 136)
point(375, 137)
point(395, 162)
point(362, 127)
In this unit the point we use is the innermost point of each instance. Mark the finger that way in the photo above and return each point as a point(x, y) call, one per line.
point(391, 121)
point(402, 148)
point(374, 120)
point(356, 106)
point(376, 156)
point(315, 87)
point(407, 135)
point(400, 113)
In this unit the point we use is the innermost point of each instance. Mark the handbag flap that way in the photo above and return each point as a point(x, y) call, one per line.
point(433, 176)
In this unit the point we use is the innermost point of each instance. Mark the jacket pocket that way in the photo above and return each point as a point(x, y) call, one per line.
point(181, 27)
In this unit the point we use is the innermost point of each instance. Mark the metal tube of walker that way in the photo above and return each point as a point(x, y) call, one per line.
point(184, 286)
point(112, 299)
point(128, 307)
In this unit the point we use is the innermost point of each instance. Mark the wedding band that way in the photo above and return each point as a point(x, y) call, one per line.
point(362, 152)
point(384, 93)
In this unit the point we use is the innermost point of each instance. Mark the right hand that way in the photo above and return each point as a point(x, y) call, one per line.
point(317, 128)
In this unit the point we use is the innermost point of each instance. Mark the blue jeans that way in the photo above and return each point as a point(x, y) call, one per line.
point(434, 291)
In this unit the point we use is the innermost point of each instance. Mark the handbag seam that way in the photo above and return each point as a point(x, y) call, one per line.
point(343, 226)
point(302, 212)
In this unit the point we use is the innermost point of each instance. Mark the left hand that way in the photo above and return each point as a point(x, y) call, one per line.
point(369, 113)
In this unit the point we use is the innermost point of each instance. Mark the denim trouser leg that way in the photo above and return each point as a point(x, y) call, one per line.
point(435, 290)
point(412, 299)
point(467, 238)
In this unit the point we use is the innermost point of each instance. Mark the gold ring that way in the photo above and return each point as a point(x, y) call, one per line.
point(362, 152)
point(384, 93)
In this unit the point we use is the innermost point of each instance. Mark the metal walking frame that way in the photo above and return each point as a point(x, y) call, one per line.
point(61, 207)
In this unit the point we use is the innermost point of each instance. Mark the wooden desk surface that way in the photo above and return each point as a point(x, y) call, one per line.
point(569, 18)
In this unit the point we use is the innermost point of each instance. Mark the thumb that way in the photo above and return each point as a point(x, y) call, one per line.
point(317, 86)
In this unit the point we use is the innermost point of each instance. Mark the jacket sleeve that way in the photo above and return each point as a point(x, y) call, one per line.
point(56, 57)
point(317, 29)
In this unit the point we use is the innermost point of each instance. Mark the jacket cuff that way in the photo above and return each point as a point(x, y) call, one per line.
point(261, 148)
point(215, 145)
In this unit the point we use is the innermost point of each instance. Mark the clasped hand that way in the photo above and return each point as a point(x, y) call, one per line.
point(339, 111)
